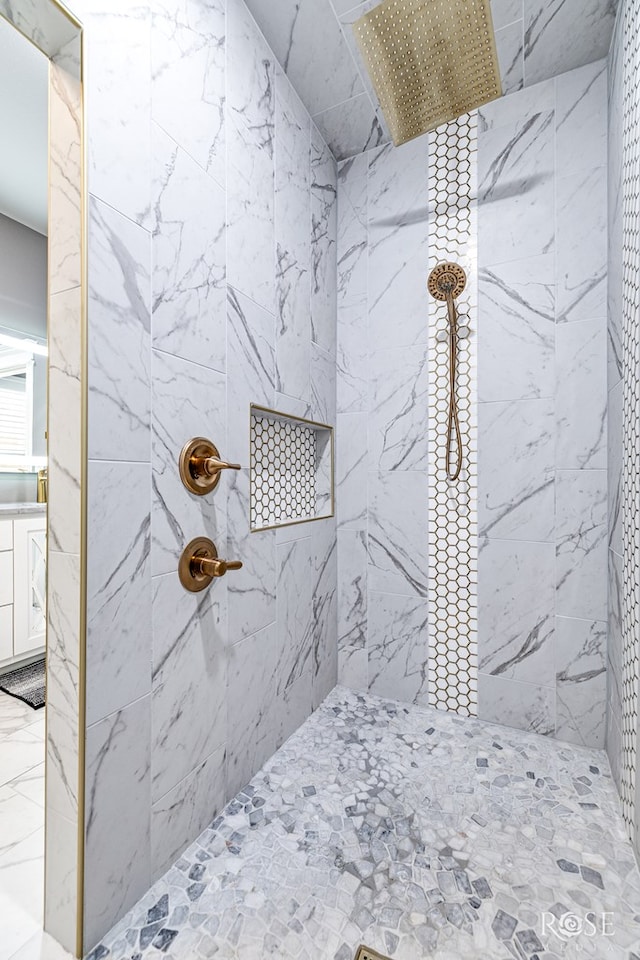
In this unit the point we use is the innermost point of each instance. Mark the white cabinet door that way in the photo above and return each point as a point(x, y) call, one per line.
point(6, 633)
point(6, 578)
point(6, 535)
point(29, 584)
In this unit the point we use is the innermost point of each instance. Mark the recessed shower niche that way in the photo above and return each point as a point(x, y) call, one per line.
point(291, 469)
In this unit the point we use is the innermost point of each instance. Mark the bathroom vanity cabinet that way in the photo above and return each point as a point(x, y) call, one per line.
point(22, 582)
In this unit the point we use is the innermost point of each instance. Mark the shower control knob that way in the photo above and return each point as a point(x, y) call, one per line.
point(201, 466)
point(200, 564)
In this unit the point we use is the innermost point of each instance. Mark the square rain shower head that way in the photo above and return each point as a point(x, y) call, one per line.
point(430, 61)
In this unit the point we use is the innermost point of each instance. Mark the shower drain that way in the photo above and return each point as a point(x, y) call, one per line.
point(366, 953)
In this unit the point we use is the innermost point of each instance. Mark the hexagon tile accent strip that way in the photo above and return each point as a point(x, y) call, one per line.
point(453, 515)
point(283, 471)
point(631, 420)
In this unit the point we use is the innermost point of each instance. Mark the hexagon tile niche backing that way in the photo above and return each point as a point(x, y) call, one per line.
point(283, 457)
point(453, 522)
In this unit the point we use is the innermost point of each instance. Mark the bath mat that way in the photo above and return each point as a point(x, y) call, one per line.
point(26, 683)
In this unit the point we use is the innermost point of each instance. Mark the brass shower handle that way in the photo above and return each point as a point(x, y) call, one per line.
point(200, 564)
point(201, 466)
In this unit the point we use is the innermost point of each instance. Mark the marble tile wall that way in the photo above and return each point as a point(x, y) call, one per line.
point(212, 245)
point(542, 388)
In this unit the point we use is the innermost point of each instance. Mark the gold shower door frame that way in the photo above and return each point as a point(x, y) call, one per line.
point(58, 34)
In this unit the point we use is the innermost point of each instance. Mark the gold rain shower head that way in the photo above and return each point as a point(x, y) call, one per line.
point(430, 61)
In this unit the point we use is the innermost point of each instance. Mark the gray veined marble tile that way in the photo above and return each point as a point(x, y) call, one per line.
point(581, 211)
point(505, 12)
point(324, 564)
point(515, 704)
point(65, 170)
point(581, 681)
point(117, 840)
point(188, 71)
point(323, 386)
point(189, 250)
point(581, 118)
point(251, 702)
point(61, 880)
point(118, 587)
point(188, 715)
point(352, 609)
point(516, 612)
point(178, 415)
point(562, 34)
point(581, 395)
point(516, 330)
point(351, 471)
point(293, 241)
point(516, 188)
point(250, 71)
point(119, 344)
point(352, 350)
point(324, 215)
point(581, 543)
point(398, 647)
point(518, 108)
point(516, 461)
point(399, 405)
point(351, 127)
point(397, 541)
point(510, 47)
point(294, 611)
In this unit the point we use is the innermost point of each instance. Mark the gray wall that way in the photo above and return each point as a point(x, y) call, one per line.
point(23, 278)
point(211, 284)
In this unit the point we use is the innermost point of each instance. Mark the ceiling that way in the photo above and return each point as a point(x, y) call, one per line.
point(314, 43)
point(24, 131)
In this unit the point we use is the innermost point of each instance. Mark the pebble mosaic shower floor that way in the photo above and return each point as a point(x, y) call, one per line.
point(418, 833)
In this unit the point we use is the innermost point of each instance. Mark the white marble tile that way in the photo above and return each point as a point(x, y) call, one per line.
point(323, 386)
point(14, 714)
point(397, 251)
point(351, 470)
point(516, 461)
point(293, 707)
point(518, 108)
point(118, 87)
point(17, 928)
point(581, 543)
point(65, 170)
point(552, 42)
point(189, 250)
point(250, 158)
point(516, 329)
point(352, 608)
point(581, 118)
point(251, 706)
point(324, 563)
point(295, 611)
point(581, 681)
point(505, 11)
point(516, 612)
point(351, 127)
point(118, 655)
point(398, 408)
point(189, 400)
point(185, 811)
point(293, 241)
point(324, 215)
point(22, 873)
point(514, 704)
point(516, 188)
point(398, 533)
point(614, 466)
point(61, 884)
point(352, 352)
point(510, 47)
point(581, 395)
point(188, 716)
point(45, 24)
point(63, 651)
point(117, 842)
point(65, 420)
point(252, 590)
point(308, 43)
point(188, 74)
point(398, 647)
point(251, 334)
point(119, 336)
point(581, 252)
point(41, 946)
point(21, 818)
point(30, 784)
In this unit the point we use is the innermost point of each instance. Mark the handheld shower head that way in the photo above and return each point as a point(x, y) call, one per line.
point(447, 280)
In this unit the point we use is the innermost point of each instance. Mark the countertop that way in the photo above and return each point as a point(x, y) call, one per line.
point(20, 509)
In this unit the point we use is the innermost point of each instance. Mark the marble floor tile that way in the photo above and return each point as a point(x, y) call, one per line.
point(41, 947)
point(418, 833)
point(18, 753)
